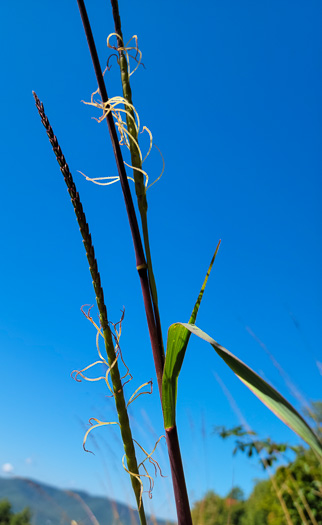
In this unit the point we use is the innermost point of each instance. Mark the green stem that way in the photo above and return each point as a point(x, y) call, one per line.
point(107, 334)
point(138, 176)
point(141, 266)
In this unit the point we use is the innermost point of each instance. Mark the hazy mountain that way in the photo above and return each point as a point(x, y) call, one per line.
point(53, 506)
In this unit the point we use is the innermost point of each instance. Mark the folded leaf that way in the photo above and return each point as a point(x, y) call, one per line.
point(266, 393)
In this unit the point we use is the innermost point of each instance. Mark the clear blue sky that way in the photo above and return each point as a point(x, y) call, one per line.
point(232, 94)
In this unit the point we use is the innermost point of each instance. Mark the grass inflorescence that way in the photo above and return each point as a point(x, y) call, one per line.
point(123, 418)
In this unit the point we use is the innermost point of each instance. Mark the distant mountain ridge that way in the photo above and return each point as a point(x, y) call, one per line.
point(52, 506)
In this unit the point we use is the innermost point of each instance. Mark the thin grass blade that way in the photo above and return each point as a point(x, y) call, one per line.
point(266, 393)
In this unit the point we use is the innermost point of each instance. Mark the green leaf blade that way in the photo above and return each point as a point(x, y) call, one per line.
point(265, 392)
point(193, 317)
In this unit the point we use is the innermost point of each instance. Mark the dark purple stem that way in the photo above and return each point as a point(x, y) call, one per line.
point(179, 485)
point(138, 247)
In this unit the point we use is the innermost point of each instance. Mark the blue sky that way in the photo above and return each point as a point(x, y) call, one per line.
point(231, 92)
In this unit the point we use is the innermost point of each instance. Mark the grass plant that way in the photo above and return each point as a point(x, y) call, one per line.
point(123, 124)
point(104, 330)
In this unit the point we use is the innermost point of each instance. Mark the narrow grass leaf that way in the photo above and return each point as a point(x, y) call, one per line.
point(266, 393)
point(177, 342)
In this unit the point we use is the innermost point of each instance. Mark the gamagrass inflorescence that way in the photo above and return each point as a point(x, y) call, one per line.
point(124, 129)
point(94, 422)
point(120, 107)
point(113, 352)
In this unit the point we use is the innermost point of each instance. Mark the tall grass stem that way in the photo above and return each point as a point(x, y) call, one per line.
point(107, 334)
point(136, 161)
point(180, 491)
point(177, 472)
point(138, 247)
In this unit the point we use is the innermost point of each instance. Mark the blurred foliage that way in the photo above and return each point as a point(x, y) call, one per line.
point(298, 482)
point(7, 517)
point(267, 447)
point(300, 486)
point(214, 510)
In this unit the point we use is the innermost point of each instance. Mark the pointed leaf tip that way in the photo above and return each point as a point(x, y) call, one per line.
point(177, 342)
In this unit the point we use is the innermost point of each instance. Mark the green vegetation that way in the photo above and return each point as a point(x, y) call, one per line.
point(292, 495)
point(168, 366)
point(7, 517)
point(214, 510)
point(299, 484)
